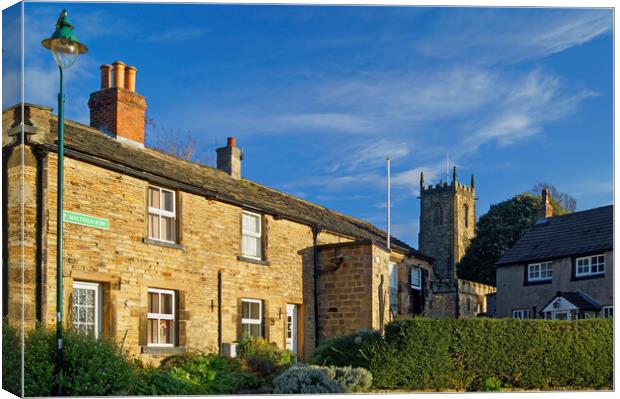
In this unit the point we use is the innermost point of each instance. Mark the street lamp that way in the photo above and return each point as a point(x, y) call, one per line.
point(65, 48)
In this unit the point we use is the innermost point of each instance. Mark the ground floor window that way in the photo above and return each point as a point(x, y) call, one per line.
point(161, 320)
point(608, 311)
point(251, 318)
point(561, 315)
point(522, 314)
point(86, 307)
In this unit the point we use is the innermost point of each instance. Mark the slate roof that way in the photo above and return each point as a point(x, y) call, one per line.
point(579, 299)
point(82, 139)
point(566, 235)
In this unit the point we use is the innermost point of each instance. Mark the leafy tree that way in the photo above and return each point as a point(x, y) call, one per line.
point(497, 231)
point(567, 201)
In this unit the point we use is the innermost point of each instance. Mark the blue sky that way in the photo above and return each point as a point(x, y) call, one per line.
point(317, 96)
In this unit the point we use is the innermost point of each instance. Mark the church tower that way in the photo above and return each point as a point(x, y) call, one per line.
point(447, 221)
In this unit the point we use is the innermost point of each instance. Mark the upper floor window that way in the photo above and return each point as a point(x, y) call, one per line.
point(161, 319)
point(162, 214)
point(590, 265)
point(251, 241)
point(393, 284)
point(466, 215)
point(416, 278)
point(251, 318)
point(539, 271)
point(522, 314)
point(437, 216)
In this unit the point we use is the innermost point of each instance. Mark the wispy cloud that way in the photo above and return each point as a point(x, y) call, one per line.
point(526, 106)
point(178, 34)
point(495, 36)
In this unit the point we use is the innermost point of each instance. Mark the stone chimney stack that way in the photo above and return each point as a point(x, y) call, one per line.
point(545, 210)
point(229, 158)
point(116, 108)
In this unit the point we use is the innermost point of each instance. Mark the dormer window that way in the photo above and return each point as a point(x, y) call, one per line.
point(539, 272)
point(590, 266)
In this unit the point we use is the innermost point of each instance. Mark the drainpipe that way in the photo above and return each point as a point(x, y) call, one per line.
point(315, 235)
point(40, 155)
point(6, 152)
point(219, 312)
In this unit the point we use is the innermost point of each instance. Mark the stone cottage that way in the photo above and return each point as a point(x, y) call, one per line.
point(168, 256)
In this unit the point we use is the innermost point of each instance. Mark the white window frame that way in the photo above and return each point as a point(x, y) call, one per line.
point(258, 321)
point(83, 285)
point(539, 270)
point(522, 314)
point(393, 285)
point(163, 316)
point(418, 271)
point(608, 311)
point(159, 212)
point(589, 265)
point(253, 234)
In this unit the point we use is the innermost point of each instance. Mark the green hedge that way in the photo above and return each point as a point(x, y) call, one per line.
point(466, 353)
point(481, 354)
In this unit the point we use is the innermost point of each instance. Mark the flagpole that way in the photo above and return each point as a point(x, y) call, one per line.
point(388, 202)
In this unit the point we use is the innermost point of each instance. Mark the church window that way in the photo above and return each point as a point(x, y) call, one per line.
point(466, 215)
point(438, 216)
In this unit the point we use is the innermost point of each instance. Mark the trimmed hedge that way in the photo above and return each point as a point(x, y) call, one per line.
point(466, 354)
point(480, 354)
point(347, 350)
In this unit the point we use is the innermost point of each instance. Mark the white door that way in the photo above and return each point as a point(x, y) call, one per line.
point(291, 327)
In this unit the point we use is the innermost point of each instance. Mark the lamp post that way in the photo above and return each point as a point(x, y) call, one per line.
point(65, 48)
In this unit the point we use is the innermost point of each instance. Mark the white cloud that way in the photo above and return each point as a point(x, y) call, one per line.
point(527, 104)
point(183, 33)
point(496, 36)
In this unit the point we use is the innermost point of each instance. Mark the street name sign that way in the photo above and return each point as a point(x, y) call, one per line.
point(86, 220)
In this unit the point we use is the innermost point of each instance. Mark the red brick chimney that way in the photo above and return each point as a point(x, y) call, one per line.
point(545, 210)
point(116, 108)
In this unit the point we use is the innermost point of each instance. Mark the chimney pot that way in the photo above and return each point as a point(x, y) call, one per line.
point(106, 76)
point(118, 110)
point(130, 78)
point(119, 74)
point(231, 142)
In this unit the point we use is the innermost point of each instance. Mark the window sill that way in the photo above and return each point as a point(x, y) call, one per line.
point(150, 241)
point(537, 282)
point(252, 260)
point(162, 350)
point(587, 277)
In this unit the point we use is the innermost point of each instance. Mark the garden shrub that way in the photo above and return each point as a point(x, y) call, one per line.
point(349, 378)
point(11, 359)
point(209, 374)
point(263, 357)
point(480, 353)
point(92, 367)
point(348, 350)
point(154, 381)
point(301, 378)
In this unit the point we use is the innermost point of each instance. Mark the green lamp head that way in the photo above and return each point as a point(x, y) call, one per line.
point(64, 44)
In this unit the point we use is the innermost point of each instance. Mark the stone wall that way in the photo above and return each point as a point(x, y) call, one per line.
point(21, 236)
point(126, 264)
